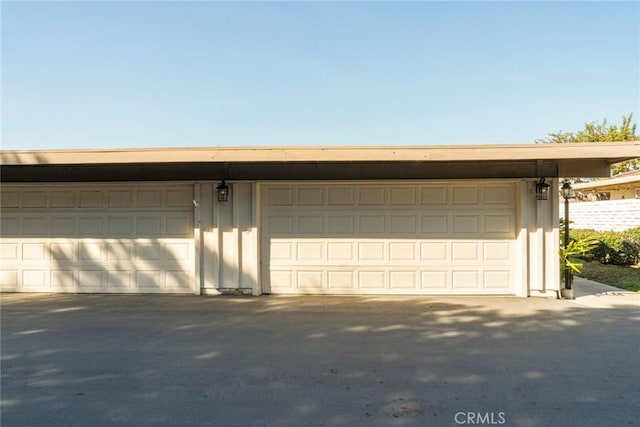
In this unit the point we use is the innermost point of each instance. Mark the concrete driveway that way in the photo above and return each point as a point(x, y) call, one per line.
point(80, 360)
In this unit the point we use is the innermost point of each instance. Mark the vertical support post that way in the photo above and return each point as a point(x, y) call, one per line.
point(197, 230)
point(256, 241)
point(567, 272)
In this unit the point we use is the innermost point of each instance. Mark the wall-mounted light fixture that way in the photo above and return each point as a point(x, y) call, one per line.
point(542, 190)
point(223, 191)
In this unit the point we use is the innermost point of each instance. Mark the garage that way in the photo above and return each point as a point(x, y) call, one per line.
point(377, 238)
point(362, 220)
point(109, 238)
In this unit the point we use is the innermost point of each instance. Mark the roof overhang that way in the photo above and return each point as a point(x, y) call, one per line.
point(328, 162)
point(627, 180)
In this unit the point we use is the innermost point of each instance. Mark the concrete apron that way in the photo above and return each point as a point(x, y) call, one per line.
point(597, 295)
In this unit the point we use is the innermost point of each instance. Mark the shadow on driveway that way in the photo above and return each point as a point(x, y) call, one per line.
point(317, 361)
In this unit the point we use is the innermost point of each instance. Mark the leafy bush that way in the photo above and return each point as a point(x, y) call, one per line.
point(619, 248)
point(575, 249)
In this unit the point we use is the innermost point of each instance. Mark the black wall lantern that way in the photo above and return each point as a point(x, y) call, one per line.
point(542, 190)
point(223, 191)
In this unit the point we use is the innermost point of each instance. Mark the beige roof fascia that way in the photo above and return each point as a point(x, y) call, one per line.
point(610, 152)
point(632, 178)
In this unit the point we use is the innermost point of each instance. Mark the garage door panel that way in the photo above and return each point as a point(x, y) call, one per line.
point(464, 251)
point(310, 252)
point(310, 280)
point(280, 280)
point(64, 280)
point(465, 224)
point(34, 199)
point(91, 280)
point(34, 251)
point(149, 280)
point(497, 279)
point(389, 239)
point(402, 196)
point(9, 251)
point(64, 225)
point(97, 240)
point(179, 225)
point(148, 225)
point(434, 251)
point(371, 279)
point(10, 199)
point(372, 224)
point(310, 196)
point(340, 196)
point(178, 280)
point(401, 224)
point(399, 279)
point(435, 224)
point(434, 280)
point(34, 279)
point(91, 199)
point(464, 195)
point(369, 196)
point(148, 198)
point(340, 251)
point(10, 226)
point(119, 225)
point(311, 224)
point(341, 224)
point(434, 196)
point(279, 196)
point(62, 199)
point(496, 251)
point(35, 226)
point(340, 280)
point(91, 226)
point(371, 251)
point(501, 195)
point(119, 198)
point(149, 251)
point(498, 223)
point(119, 280)
point(119, 251)
point(9, 280)
point(469, 279)
point(402, 251)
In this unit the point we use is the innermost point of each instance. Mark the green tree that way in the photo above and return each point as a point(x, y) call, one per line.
point(601, 132)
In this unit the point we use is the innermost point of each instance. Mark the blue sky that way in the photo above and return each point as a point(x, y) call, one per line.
point(144, 74)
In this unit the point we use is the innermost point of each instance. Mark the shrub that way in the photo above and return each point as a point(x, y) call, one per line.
point(575, 249)
point(620, 248)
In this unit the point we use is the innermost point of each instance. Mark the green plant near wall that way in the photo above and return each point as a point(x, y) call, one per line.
point(619, 248)
point(575, 249)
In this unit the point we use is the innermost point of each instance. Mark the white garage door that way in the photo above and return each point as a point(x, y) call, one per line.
point(431, 238)
point(117, 238)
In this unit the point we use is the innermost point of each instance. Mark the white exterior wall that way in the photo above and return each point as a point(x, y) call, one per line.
point(229, 234)
point(540, 269)
point(227, 240)
point(605, 215)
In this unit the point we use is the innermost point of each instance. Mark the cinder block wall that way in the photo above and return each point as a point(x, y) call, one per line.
point(605, 215)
